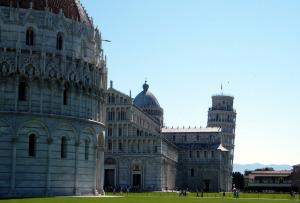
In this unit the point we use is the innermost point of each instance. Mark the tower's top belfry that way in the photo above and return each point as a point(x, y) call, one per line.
point(222, 114)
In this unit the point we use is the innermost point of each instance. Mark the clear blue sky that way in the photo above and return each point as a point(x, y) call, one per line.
point(187, 48)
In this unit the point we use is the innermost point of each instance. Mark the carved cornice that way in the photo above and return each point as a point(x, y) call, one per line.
point(84, 76)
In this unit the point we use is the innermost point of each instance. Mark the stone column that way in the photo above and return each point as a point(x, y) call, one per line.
point(52, 88)
point(99, 111)
point(17, 92)
point(99, 167)
point(142, 146)
point(30, 87)
point(41, 96)
point(2, 96)
point(80, 103)
point(127, 146)
point(76, 188)
point(93, 107)
point(100, 170)
point(117, 129)
point(13, 166)
point(117, 145)
point(145, 146)
point(104, 114)
point(127, 130)
point(95, 171)
point(70, 100)
point(48, 186)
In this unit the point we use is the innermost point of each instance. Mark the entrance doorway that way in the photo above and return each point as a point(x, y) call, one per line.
point(206, 185)
point(137, 176)
point(109, 179)
point(136, 181)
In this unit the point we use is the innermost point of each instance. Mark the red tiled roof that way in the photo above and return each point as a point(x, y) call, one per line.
point(71, 8)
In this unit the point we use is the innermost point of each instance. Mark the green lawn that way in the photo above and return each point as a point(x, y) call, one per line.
point(163, 198)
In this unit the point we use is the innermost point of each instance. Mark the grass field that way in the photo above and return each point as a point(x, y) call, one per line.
point(163, 198)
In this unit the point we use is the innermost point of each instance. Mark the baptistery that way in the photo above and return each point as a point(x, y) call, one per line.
point(53, 81)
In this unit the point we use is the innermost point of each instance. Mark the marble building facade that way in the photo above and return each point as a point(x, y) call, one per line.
point(53, 80)
point(63, 133)
point(136, 156)
point(142, 154)
point(203, 161)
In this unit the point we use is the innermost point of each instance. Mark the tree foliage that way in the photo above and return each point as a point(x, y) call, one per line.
point(238, 180)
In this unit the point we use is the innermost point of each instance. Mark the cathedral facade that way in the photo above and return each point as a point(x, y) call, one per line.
point(53, 80)
point(141, 154)
point(135, 155)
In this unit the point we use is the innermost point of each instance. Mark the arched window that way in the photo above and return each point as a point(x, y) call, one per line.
point(86, 150)
point(59, 41)
point(120, 131)
point(4, 68)
point(120, 147)
point(22, 91)
point(110, 132)
point(109, 145)
point(32, 145)
point(192, 172)
point(29, 36)
point(109, 99)
point(190, 154)
point(63, 150)
point(65, 95)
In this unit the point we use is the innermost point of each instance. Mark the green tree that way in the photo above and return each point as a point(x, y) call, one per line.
point(238, 180)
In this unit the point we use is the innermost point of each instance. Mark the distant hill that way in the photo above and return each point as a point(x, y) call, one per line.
point(242, 167)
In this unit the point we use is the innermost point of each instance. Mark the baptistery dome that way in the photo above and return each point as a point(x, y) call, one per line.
point(53, 80)
point(149, 104)
point(71, 8)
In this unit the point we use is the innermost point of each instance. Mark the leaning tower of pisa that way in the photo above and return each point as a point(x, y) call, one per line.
point(223, 115)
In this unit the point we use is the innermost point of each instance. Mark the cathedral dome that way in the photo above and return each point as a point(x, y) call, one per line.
point(146, 99)
point(71, 8)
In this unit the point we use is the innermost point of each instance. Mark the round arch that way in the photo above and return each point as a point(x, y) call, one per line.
point(90, 134)
point(67, 126)
point(33, 123)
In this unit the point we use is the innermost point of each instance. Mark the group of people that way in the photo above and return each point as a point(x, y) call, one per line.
point(293, 194)
point(118, 189)
point(183, 193)
point(236, 193)
point(126, 189)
